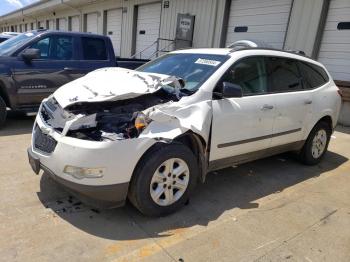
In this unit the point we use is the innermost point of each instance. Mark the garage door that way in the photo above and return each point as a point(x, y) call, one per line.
point(335, 46)
point(41, 24)
point(263, 20)
point(74, 26)
point(62, 25)
point(114, 28)
point(147, 29)
point(51, 25)
point(91, 23)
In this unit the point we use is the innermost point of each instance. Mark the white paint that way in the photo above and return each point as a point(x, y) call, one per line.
point(75, 24)
point(335, 46)
point(51, 24)
point(234, 119)
point(114, 28)
point(100, 85)
point(62, 24)
point(148, 21)
point(266, 21)
point(92, 23)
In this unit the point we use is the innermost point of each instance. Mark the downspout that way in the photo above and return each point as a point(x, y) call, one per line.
point(215, 22)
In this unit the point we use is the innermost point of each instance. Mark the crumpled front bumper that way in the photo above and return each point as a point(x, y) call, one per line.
point(117, 158)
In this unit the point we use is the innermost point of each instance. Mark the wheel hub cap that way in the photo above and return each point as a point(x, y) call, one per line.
point(319, 143)
point(169, 181)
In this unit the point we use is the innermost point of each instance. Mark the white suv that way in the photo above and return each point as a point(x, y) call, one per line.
point(153, 133)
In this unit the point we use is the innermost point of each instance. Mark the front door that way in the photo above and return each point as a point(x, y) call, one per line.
point(39, 78)
point(243, 125)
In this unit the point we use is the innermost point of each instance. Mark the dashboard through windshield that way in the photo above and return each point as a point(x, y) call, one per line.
point(194, 69)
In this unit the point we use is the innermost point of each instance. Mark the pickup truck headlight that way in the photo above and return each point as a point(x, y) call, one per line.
point(83, 172)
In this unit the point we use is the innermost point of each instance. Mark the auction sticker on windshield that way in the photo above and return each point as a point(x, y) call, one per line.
point(207, 62)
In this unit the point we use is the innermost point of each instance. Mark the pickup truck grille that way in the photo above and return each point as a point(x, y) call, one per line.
point(43, 142)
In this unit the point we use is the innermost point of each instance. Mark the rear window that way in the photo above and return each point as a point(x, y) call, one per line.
point(94, 49)
point(313, 75)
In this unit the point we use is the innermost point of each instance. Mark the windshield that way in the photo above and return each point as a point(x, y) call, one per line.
point(195, 69)
point(12, 44)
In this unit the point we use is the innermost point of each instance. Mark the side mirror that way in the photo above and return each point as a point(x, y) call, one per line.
point(229, 90)
point(30, 54)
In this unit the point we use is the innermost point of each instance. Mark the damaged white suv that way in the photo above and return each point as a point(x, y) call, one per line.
point(153, 133)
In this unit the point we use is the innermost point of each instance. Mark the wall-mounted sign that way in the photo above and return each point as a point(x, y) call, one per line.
point(166, 4)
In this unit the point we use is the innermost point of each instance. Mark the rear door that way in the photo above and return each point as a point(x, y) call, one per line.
point(293, 103)
point(57, 65)
point(94, 54)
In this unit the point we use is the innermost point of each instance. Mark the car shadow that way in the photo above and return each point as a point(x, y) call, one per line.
point(17, 124)
point(224, 190)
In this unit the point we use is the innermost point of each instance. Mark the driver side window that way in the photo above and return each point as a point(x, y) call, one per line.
point(250, 74)
point(44, 46)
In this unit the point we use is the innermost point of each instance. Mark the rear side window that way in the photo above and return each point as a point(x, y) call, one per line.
point(283, 75)
point(94, 49)
point(313, 75)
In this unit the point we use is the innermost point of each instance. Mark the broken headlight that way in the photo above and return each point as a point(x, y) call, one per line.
point(141, 121)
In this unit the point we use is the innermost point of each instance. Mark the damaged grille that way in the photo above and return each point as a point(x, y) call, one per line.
point(43, 142)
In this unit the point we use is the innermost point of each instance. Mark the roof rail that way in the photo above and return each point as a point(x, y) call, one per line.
point(299, 52)
point(240, 44)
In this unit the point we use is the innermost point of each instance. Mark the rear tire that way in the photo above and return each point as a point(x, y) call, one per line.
point(316, 144)
point(3, 112)
point(164, 179)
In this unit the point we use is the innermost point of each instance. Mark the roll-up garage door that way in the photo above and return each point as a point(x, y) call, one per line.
point(263, 20)
point(41, 24)
point(147, 29)
point(51, 25)
point(91, 23)
point(335, 45)
point(62, 25)
point(114, 28)
point(74, 20)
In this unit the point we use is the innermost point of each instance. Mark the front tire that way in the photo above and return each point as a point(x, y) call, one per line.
point(316, 144)
point(163, 179)
point(3, 112)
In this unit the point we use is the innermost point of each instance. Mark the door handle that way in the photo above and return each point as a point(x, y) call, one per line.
point(69, 69)
point(267, 107)
point(308, 102)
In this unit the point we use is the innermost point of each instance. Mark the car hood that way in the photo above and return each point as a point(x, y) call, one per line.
point(111, 84)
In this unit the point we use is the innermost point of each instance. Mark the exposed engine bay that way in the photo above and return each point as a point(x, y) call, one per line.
point(109, 120)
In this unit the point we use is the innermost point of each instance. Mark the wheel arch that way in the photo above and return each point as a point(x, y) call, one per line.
point(4, 95)
point(193, 141)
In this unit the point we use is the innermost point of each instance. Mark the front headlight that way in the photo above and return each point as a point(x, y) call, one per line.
point(141, 121)
point(83, 172)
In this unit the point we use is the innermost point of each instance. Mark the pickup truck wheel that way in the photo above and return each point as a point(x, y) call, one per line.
point(316, 144)
point(3, 112)
point(164, 179)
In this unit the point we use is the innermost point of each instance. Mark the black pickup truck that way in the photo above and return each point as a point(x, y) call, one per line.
point(34, 64)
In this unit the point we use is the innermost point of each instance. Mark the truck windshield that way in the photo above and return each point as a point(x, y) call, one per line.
point(12, 44)
point(195, 69)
